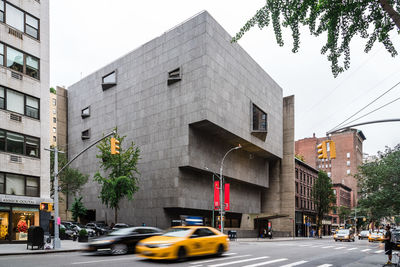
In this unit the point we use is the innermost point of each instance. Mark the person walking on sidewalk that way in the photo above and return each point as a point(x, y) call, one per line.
point(388, 244)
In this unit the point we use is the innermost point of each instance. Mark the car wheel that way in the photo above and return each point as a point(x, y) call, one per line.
point(336, 240)
point(220, 250)
point(181, 254)
point(119, 249)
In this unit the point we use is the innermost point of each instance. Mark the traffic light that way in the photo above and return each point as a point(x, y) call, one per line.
point(46, 206)
point(114, 146)
point(322, 151)
point(332, 149)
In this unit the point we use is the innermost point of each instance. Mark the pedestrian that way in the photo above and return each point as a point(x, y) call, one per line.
point(265, 233)
point(388, 244)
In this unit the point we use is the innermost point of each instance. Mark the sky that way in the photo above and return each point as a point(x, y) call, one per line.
point(87, 35)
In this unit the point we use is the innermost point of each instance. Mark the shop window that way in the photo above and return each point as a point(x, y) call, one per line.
point(15, 184)
point(109, 80)
point(22, 219)
point(4, 222)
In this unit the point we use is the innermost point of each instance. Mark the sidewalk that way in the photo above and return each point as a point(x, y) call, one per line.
point(20, 249)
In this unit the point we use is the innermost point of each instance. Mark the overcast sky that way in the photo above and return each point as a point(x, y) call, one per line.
point(87, 35)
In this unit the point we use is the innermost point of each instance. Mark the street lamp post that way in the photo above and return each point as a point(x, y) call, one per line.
point(221, 186)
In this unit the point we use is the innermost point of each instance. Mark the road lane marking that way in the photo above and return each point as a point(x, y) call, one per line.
point(305, 245)
point(328, 247)
point(220, 259)
point(325, 265)
point(88, 262)
point(365, 250)
point(234, 262)
point(379, 251)
point(340, 247)
point(294, 264)
point(228, 254)
point(352, 248)
point(265, 263)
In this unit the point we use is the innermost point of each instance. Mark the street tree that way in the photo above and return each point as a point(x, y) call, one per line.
point(339, 21)
point(343, 213)
point(70, 180)
point(78, 209)
point(379, 185)
point(120, 175)
point(323, 197)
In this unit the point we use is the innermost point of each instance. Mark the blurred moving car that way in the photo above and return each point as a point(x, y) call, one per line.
point(363, 235)
point(376, 236)
point(99, 228)
point(344, 234)
point(123, 240)
point(181, 242)
point(119, 226)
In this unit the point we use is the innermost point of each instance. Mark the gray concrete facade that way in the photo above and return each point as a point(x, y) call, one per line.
point(183, 127)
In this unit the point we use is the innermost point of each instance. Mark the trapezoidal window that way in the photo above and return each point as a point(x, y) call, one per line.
point(259, 126)
point(174, 76)
point(86, 134)
point(85, 112)
point(109, 80)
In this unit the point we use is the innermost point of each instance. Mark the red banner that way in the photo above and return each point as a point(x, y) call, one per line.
point(227, 206)
point(216, 195)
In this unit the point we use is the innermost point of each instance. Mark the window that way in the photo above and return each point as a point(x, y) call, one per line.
point(86, 134)
point(32, 187)
point(348, 171)
point(174, 76)
point(2, 98)
point(15, 184)
point(32, 107)
point(85, 112)
point(297, 187)
point(54, 111)
point(15, 17)
point(297, 173)
point(54, 101)
point(19, 144)
point(54, 119)
point(2, 180)
point(19, 61)
point(329, 174)
point(15, 59)
point(54, 139)
point(348, 155)
point(348, 163)
point(54, 129)
point(1, 10)
point(259, 119)
point(32, 26)
point(109, 81)
point(297, 202)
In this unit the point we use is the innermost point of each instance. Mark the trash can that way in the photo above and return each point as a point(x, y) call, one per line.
point(232, 235)
point(35, 237)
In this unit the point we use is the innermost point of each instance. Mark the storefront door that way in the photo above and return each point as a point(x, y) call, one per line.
point(4, 223)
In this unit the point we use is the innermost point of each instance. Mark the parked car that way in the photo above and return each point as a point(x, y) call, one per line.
point(181, 242)
point(119, 226)
point(123, 240)
point(99, 228)
point(69, 232)
point(363, 235)
point(396, 238)
point(344, 234)
point(78, 227)
point(376, 236)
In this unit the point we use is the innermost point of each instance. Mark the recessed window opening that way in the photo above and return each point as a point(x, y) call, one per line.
point(109, 80)
point(174, 76)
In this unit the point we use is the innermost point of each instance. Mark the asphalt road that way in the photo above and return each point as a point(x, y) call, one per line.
point(313, 252)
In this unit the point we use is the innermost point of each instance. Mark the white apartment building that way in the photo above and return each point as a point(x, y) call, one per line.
point(24, 116)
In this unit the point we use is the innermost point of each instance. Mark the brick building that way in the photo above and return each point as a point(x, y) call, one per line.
point(348, 158)
point(343, 198)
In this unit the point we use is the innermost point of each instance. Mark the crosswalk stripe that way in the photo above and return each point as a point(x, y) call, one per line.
point(234, 262)
point(265, 263)
point(379, 251)
point(352, 248)
point(219, 259)
point(340, 247)
point(325, 265)
point(328, 247)
point(294, 263)
point(366, 250)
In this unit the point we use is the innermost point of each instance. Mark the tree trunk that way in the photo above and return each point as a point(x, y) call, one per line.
point(388, 8)
point(115, 215)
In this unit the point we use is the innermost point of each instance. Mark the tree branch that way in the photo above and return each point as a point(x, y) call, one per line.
point(387, 7)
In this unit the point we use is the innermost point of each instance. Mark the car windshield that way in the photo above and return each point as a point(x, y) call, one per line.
point(122, 231)
point(343, 232)
point(177, 232)
point(364, 232)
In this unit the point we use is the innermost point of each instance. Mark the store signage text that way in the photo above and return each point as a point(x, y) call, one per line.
point(18, 201)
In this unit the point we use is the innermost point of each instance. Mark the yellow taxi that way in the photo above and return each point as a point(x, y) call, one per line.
point(181, 242)
point(376, 236)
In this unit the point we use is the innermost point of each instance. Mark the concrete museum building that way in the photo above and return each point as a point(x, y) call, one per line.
point(185, 98)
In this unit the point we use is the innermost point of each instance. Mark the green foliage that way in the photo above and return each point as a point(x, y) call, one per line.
point(340, 21)
point(70, 180)
point(300, 157)
point(83, 233)
point(120, 180)
point(379, 184)
point(78, 209)
point(323, 196)
point(343, 213)
point(52, 90)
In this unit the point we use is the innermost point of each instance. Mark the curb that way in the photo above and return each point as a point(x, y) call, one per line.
point(33, 252)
